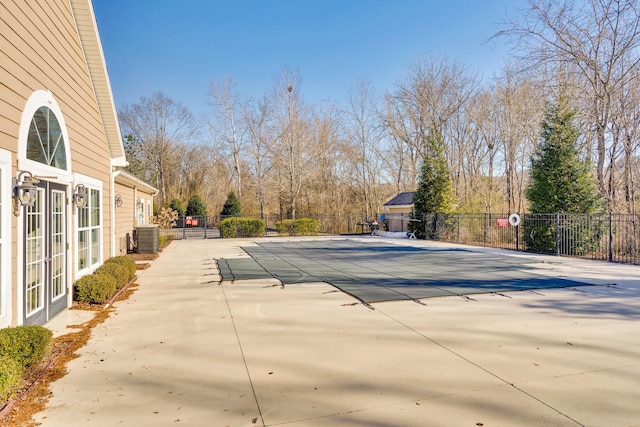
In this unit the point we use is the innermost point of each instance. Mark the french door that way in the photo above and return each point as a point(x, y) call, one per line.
point(45, 254)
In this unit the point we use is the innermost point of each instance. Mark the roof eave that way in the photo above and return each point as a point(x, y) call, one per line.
point(87, 28)
point(125, 178)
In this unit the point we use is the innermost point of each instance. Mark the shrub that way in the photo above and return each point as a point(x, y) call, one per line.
point(10, 377)
point(299, 227)
point(26, 344)
point(129, 263)
point(120, 272)
point(242, 227)
point(162, 240)
point(95, 288)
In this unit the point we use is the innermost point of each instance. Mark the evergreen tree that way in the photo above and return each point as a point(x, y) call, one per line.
point(231, 206)
point(435, 193)
point(561, 183)
point(196, 207)
point(177, 206)
point(560, 180)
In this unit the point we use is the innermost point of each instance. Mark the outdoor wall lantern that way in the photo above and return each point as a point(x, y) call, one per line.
point(24, 188)
point(118, 200)
point(80, 196)
point(140, 204)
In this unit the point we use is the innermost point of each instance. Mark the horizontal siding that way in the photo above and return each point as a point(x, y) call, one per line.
point(42, 51)
point(47, 38)
point(124, 221)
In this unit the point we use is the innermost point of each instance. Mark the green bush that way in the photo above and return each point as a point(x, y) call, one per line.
point(299, 227)
point(10, 377)
point(95, 288)
point(25, 344)
point(242, 227)
point(162, 240)
point(129, 263)
point(119, 272)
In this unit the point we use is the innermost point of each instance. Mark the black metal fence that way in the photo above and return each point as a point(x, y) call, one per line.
point(191, 227)
point(612, 237)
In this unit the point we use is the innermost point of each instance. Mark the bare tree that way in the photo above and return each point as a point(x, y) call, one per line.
point(258, 117)
point(400, 155)
point(469, 153)
point(156, 126)
point(425, 106)
point(625, 131)
point(363, 131)
point(293, 151)
point(519, 107)
point(481, 154)
point(226, 124)
point(597, 40)
point(330, 153)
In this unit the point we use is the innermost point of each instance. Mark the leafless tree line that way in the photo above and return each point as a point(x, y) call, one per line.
point(283, 155)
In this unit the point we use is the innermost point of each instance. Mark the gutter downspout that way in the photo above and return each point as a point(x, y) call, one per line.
point(112, 196)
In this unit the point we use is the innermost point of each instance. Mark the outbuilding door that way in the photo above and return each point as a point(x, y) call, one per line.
point(45, 254)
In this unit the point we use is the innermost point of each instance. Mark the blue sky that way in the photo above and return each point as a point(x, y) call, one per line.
point(179, 46)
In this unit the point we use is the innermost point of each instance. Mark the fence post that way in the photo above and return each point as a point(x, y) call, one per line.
point(205, 226)
point(458, 238)
point(184, 227)
point(484, 231)
point(610, 237)
point(557, 233)
point(426, 226)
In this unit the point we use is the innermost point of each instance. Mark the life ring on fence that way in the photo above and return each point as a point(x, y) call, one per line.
point(514, 219)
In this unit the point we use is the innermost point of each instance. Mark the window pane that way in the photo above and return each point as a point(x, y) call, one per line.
point(35, 288)
point(83, 250)
point(95, 245)
point(83, 217)
point(58, 275)
point(45, 142)
point(95, 208)
point(58, 154)
point(37, 138)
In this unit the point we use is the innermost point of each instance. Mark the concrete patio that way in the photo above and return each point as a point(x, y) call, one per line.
point(184, 350)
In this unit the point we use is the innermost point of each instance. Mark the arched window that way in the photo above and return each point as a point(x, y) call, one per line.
point(45, 141)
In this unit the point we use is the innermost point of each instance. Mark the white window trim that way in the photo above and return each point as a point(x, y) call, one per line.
point(5, 250)
point(90, 184)
point(140, 211)
point(38, 99)
point(42, 98)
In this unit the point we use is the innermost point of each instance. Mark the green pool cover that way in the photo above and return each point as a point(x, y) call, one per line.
point(375, 271)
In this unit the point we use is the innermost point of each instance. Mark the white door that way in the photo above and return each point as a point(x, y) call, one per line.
point(45, 274)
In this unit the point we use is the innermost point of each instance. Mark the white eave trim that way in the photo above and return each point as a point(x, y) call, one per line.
point(87, 28)
point(119, 162)
point(398, 206)
point(125, 178)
